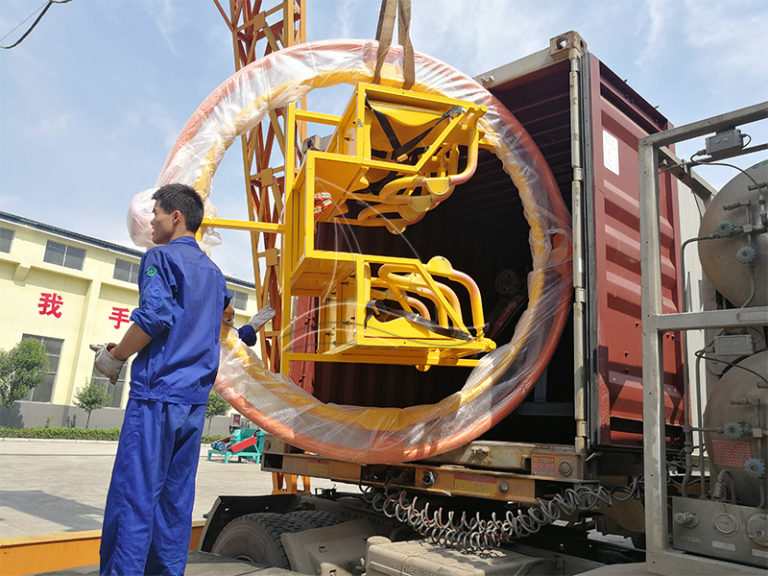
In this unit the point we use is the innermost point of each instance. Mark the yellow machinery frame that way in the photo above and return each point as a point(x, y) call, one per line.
point(354, 322)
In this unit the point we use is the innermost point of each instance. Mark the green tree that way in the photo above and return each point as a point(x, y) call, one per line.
point(216, 406)
point(92, 397)
point(21, 369)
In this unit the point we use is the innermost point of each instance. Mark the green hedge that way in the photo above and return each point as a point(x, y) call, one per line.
point(71, 434)
point(60, 433)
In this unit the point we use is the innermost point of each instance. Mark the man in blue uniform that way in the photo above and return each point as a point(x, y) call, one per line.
point(175, 330)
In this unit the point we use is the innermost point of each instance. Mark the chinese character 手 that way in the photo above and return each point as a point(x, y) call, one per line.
point(119, 315)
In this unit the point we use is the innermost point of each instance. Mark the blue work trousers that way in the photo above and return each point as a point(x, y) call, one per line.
point(148, 516)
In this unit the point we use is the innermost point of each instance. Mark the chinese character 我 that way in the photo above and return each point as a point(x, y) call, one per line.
point(50, 304)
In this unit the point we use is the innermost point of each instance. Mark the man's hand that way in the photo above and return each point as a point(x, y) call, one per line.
point(106, 363)
point(261, 317)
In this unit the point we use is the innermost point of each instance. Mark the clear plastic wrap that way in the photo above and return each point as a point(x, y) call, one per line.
point(502, 379)
point(140, 215)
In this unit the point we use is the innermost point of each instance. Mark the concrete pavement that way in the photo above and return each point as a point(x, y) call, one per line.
point(50, 486)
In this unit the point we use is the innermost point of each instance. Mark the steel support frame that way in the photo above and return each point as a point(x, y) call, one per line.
point(253, 37)
point(453, 480)
point(660, 557)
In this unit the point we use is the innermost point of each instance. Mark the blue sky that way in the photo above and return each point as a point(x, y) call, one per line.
point(92, 101)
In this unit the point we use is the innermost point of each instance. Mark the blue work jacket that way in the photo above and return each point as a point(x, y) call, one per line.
point(182, 295)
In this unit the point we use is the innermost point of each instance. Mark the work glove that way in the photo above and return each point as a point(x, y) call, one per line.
point(261, 317)
point(247, 332)
point(106, 363)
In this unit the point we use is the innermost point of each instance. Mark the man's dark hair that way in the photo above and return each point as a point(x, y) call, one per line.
point(184, 199)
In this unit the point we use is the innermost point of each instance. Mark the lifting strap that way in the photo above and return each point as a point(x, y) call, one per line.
point(384, 32)
point(400, 151)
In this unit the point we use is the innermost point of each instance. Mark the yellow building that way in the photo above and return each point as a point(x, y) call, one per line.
point(68, 291)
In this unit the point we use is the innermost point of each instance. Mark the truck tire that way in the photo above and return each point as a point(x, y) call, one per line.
point(256, 538)
point(314, 518)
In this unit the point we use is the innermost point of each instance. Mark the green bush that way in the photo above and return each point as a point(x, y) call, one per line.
point(60, 433)
point(73, 434)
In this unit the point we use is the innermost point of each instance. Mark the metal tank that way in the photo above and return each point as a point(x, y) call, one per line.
point(738, 408)
point(735, 254)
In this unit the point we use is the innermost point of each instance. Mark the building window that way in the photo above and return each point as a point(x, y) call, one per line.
point(6, 237)
point(239, 300)
point(44, 391)
point(114, 390)
point(63, 255)
point(127, 271)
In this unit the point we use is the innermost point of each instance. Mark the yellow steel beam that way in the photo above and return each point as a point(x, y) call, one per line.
point(267, 227)
point(380, 358)
point(318, 117)
point(49, 552)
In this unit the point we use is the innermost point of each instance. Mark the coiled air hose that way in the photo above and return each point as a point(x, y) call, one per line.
point(501, 380)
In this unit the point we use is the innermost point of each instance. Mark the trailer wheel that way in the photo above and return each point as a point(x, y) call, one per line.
point(256, 538)
point(314, 518)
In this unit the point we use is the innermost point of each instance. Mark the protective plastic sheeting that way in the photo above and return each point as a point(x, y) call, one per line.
point(501, 380)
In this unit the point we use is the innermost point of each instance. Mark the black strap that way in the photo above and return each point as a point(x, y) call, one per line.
point(384, 312)
point(385, 125)
point(399, 150)
point(405, 148)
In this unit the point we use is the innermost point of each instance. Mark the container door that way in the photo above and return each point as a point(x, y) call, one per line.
point(615, 117)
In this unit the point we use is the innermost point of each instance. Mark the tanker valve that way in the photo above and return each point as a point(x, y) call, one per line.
point(726, 229)
point(687, 519)
point(746, 255)
point(736, 430)
point(755, 467)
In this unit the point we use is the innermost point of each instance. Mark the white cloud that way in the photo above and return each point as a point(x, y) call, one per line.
point(53, 126)
point(346, 12)
point(727, 37)
point(142, 118)
point(652, 31)
point(167, 20)
point(488, 34)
